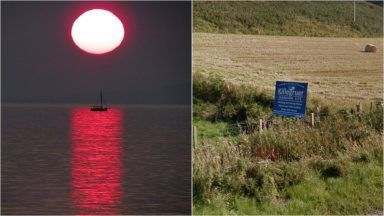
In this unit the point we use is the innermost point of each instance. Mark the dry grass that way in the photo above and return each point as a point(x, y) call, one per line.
point(335, 68)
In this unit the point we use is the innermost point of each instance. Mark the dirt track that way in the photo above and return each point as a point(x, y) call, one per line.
point(335, 68)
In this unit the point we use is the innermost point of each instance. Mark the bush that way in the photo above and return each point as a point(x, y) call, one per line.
point(254, 111)
point(233, 103)
point(229, 111)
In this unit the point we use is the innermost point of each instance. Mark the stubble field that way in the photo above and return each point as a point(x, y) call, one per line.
point(336, 69)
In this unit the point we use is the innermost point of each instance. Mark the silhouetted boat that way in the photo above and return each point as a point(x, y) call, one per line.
point(99, 108)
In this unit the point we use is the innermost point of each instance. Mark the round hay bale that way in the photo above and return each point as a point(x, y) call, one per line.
point(370, 48)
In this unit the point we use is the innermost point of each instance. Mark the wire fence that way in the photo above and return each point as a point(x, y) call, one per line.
point(287, 125)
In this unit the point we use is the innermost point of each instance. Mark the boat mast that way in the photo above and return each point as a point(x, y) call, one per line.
point(101, 98)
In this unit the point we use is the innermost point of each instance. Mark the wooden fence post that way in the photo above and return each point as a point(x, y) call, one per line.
point(313, 119)
point(194, 136)
point(261, 125)
point(370, 108)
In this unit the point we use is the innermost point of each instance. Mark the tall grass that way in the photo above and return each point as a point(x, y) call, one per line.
point(232, 161)
point(332, 19)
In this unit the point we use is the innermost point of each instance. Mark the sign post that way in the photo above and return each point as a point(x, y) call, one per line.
point(290, 99)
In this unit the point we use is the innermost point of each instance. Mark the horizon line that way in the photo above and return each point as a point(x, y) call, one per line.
point(86, 105)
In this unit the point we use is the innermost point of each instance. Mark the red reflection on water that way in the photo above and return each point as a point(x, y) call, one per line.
point(96, 161)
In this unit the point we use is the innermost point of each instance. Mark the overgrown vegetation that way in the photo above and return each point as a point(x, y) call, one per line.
point(289, 168)
point(330, 19)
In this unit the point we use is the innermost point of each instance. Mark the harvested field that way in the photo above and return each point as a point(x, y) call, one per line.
point(335, 68)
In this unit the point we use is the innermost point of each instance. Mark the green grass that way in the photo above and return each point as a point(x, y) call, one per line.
point(358, 193)
point(214, 131)
point(290, 168)
point(330, 19)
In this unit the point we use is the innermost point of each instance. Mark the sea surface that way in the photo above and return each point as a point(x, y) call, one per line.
point(69, 160)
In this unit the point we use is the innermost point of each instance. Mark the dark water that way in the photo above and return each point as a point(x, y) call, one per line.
point(68, 160)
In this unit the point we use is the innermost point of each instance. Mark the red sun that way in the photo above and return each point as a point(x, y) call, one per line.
point(97, 31)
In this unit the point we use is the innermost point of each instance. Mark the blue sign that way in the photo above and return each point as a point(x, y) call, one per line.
point(290, 99)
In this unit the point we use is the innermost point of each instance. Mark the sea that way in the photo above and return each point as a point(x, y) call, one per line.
point(65, 159)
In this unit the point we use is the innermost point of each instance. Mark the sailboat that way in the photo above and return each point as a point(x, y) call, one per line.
point(99, 108)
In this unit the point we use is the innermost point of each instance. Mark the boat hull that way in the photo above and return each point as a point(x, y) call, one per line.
point(99, 109)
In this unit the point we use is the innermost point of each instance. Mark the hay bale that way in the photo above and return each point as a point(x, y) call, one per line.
point(370, 48)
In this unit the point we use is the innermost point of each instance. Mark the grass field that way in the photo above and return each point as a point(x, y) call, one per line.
point(335, 68)
point(293, 18)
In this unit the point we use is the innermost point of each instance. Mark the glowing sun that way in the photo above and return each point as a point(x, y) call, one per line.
point(97, 31)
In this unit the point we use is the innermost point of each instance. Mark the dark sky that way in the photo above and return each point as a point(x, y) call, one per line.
point(41, 63)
